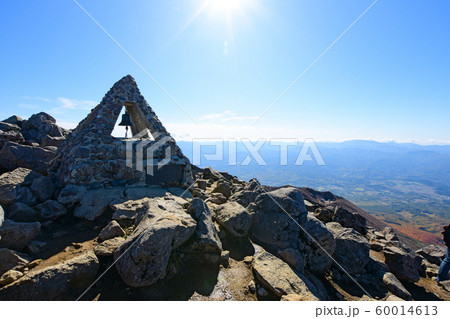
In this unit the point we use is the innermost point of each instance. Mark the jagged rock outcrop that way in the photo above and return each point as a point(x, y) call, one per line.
point(352, 249)
point(65, 280)
point(143, 257)
point(234, 218)
point(16, 155)
point(279, 277)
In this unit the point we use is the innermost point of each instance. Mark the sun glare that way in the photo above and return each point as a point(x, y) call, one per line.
point(225, 5)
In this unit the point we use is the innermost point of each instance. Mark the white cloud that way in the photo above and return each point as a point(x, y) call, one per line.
point(71, 104)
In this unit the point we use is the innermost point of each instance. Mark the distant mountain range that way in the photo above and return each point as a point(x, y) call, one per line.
point(404, 184)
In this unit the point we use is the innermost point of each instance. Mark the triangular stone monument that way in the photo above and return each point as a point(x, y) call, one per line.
point(92, 156)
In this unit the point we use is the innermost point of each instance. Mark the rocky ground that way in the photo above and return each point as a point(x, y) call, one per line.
point(221, 239)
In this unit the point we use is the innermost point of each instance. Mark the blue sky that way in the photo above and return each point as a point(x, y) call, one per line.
point(387, 78)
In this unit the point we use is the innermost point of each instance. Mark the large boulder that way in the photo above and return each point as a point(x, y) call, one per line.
point(6, 127)
point(20, 212)
point(234, 218)
point(17, 235)
point(350, 220)
point(276, 217)
point(128, 210)
point(395, 286)
point(401, 264)
point(248, 194)
point(10, 136)
point(9, 260)
point(206, 239)
point(17, 120)
point(143, 257)
point(433, 253)
point(14, 187)
point(51, 210)
point(111, 230)
point(71, 195)
point(278, 277)
point(62, 281)
point(43, 188)
point(39, 126)
point(318, 245)
point(108, 247)
point(37, 158)
point(95, 202)
point(352, 249)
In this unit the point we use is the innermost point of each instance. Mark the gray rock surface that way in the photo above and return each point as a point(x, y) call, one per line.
point(320, 245)
point(142, 259)
point(278, 277)
point(401, 264)
point(108, 247)
point(95, 202)
point(352, 249)
point(395, 286)
point(234, 218)
point(43, 188)
point(275, 217)
point(111, 230)
point(14, 186)
point(350, 220)
point(20, 212)
point(433, 253)
point(62, 281)
point(15, 155)
point(9, 260)
point(51, 210)
point(206, 237)
point(17, 235)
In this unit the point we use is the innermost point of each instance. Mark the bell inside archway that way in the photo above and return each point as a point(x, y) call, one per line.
point(126, 121)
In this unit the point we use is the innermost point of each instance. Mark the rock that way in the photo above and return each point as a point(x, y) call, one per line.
point(137, 193)
point(324, 214)
point(445, 284)
point(395, 286)
point(248, 260)
point(71, 195)
point(352, 249)
point(295, 297)
point(217, 198)
point(17, 120)
point(201, 183)
point(10, 136)
point(389, 234)
point(39, 126)
point(95, 202)
point(277, 276)
point(15, 155)
point(9, 260)
point(9, 277)
point(393, 298)
point(223, 187)
point(21, 212)
point(401, 264)
point(6, 127)
point(62, 281)
point(51, 210)
point(433, 253)
point(210, 173)
point(52, 141)
point(234, 218)
point(294, 258)
point(43, 188)
point(206, 237)
point(375, 265)
point(252, 287)
point(319, 247)
point(276, 216)
point(108, 247)
point(128, 210)
point(35, 247)
point(143, 257)
point(111, 230)
point(350, 220)
point(17, 235)
point(13, 186)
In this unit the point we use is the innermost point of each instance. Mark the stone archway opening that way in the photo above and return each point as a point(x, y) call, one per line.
point(141, 126)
